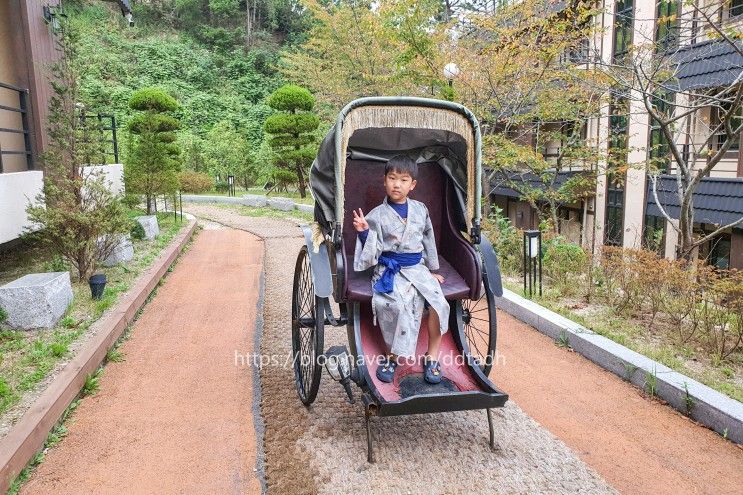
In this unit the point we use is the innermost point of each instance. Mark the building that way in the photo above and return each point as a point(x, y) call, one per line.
point(623, 211)
point(27, 49)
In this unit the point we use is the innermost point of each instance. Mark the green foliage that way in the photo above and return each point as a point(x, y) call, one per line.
point(564, 262)
point(290, 98)
point(153, 164)
point(153, 99)
point(3, 315)
point(290, 140)
point(137, 231)
point(506, 239)
point(222, 186)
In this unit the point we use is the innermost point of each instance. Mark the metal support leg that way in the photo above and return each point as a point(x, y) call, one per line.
point(493, 446)
point(369, 446)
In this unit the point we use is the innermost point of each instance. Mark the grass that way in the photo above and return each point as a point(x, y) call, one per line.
point(251, 211)
point(659, 346)
point(27, 357)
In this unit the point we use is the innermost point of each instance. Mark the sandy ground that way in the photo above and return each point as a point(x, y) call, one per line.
point(177, 415)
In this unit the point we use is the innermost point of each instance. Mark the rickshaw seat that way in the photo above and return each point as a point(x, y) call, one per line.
point(360, 287)
point(457, 259)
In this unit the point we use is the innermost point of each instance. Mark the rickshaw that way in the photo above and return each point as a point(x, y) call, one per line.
point(444, 138)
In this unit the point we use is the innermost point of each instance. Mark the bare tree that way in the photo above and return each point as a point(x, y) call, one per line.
point(656, 73)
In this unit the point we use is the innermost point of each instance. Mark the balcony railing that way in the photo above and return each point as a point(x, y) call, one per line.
point(22, 109)
point(105, 127)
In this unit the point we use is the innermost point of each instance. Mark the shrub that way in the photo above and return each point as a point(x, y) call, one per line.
point(222, 186)
point(563, 263)
point(195, 182)
point(3, 315)
point(137, 232)
point(506, 239)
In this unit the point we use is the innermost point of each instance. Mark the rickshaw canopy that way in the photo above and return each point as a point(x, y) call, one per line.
point(377, 128)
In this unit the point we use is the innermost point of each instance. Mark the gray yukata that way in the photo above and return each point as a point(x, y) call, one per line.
point(399, 313)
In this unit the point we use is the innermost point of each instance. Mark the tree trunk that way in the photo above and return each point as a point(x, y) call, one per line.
point(300, 176)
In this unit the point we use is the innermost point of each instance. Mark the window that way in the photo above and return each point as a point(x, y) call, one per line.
point(659, 150)
point(618, 126)
point(654, 234)
point(623, 17)
point(735, 122)
point(667, 25)
point(736, 8)
point(716, 251)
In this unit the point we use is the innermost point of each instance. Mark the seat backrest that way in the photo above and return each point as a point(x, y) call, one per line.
point(364, 188)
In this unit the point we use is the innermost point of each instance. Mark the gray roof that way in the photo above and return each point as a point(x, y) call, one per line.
point(501, 179)
point(709, 64)
point(716, 201)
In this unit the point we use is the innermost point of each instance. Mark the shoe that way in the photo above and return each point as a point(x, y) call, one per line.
point(386, 370)
point(432, 371)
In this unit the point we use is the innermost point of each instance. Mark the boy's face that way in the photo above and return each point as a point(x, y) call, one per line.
point(398, 185)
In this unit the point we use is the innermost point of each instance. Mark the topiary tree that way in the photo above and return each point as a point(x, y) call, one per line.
point(153, 164)
point(291, 131)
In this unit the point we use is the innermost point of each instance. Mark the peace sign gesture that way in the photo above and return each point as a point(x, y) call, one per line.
point(359, 222)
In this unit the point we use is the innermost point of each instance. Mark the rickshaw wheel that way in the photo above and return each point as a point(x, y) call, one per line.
point(308, 318)
point(481, 327)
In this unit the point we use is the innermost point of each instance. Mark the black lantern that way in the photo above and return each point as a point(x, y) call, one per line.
point(532, 261)
point(231, 184)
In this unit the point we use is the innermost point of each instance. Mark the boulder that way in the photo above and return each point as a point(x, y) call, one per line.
point(123, 252)
point(150, 226)
point(37, 300)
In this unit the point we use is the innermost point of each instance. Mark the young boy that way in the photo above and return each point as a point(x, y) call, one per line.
point(397, 239)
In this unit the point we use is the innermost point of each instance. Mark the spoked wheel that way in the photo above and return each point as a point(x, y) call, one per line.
point(480, 327)
point(308, 319)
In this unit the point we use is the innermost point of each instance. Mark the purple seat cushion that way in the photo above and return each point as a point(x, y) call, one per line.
point(360, 287)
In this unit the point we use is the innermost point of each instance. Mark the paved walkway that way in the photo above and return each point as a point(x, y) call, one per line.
point(177, 415)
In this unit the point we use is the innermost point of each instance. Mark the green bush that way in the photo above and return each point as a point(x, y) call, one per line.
point(195, 182)
point(153, 99)
point(507, 241)
point(290, 97)
point(137, 231)
point(56, 264)
point(563, 263)
point(222, 186)
point(3, 315)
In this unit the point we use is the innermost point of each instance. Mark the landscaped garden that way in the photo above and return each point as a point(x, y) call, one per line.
point(27, 357)
point(686, 315)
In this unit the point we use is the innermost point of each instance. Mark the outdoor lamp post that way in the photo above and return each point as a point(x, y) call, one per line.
point(231, 184)
point(451, 71)
point(532, 260)
point(338, 364)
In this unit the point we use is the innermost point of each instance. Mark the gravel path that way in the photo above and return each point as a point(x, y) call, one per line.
point(323, 449)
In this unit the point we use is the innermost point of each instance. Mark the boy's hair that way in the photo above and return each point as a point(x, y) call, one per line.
point(402, 164)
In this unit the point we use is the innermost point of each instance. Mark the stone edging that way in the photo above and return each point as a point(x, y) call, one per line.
point(255, 200)
point(28, 435)
point(700, 402)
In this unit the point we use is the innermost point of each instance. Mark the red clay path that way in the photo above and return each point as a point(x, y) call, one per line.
point(637, 445)
point(176, 416)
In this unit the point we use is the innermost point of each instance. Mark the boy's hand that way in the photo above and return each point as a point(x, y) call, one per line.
point(359, 222)
point(438, 277)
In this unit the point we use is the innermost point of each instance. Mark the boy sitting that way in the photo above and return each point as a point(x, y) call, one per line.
point(397, 239)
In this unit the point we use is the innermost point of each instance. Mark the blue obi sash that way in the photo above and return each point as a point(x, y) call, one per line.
point(394, 262)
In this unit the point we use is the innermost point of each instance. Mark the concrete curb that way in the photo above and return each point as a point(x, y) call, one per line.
point(255, 200)
point(28, 435)
point(703, 404)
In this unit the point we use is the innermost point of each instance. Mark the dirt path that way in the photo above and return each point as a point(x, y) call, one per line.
point(177, 415)
point(638, 445)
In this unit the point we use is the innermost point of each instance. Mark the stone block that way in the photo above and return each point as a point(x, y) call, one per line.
point(37, 300)
point(123, 252)
point(282, 204)
point(150, 226)
point(254, 200)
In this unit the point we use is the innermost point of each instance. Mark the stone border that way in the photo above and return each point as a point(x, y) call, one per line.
point(696, 400)
point(255, 200)
point(27, 436)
